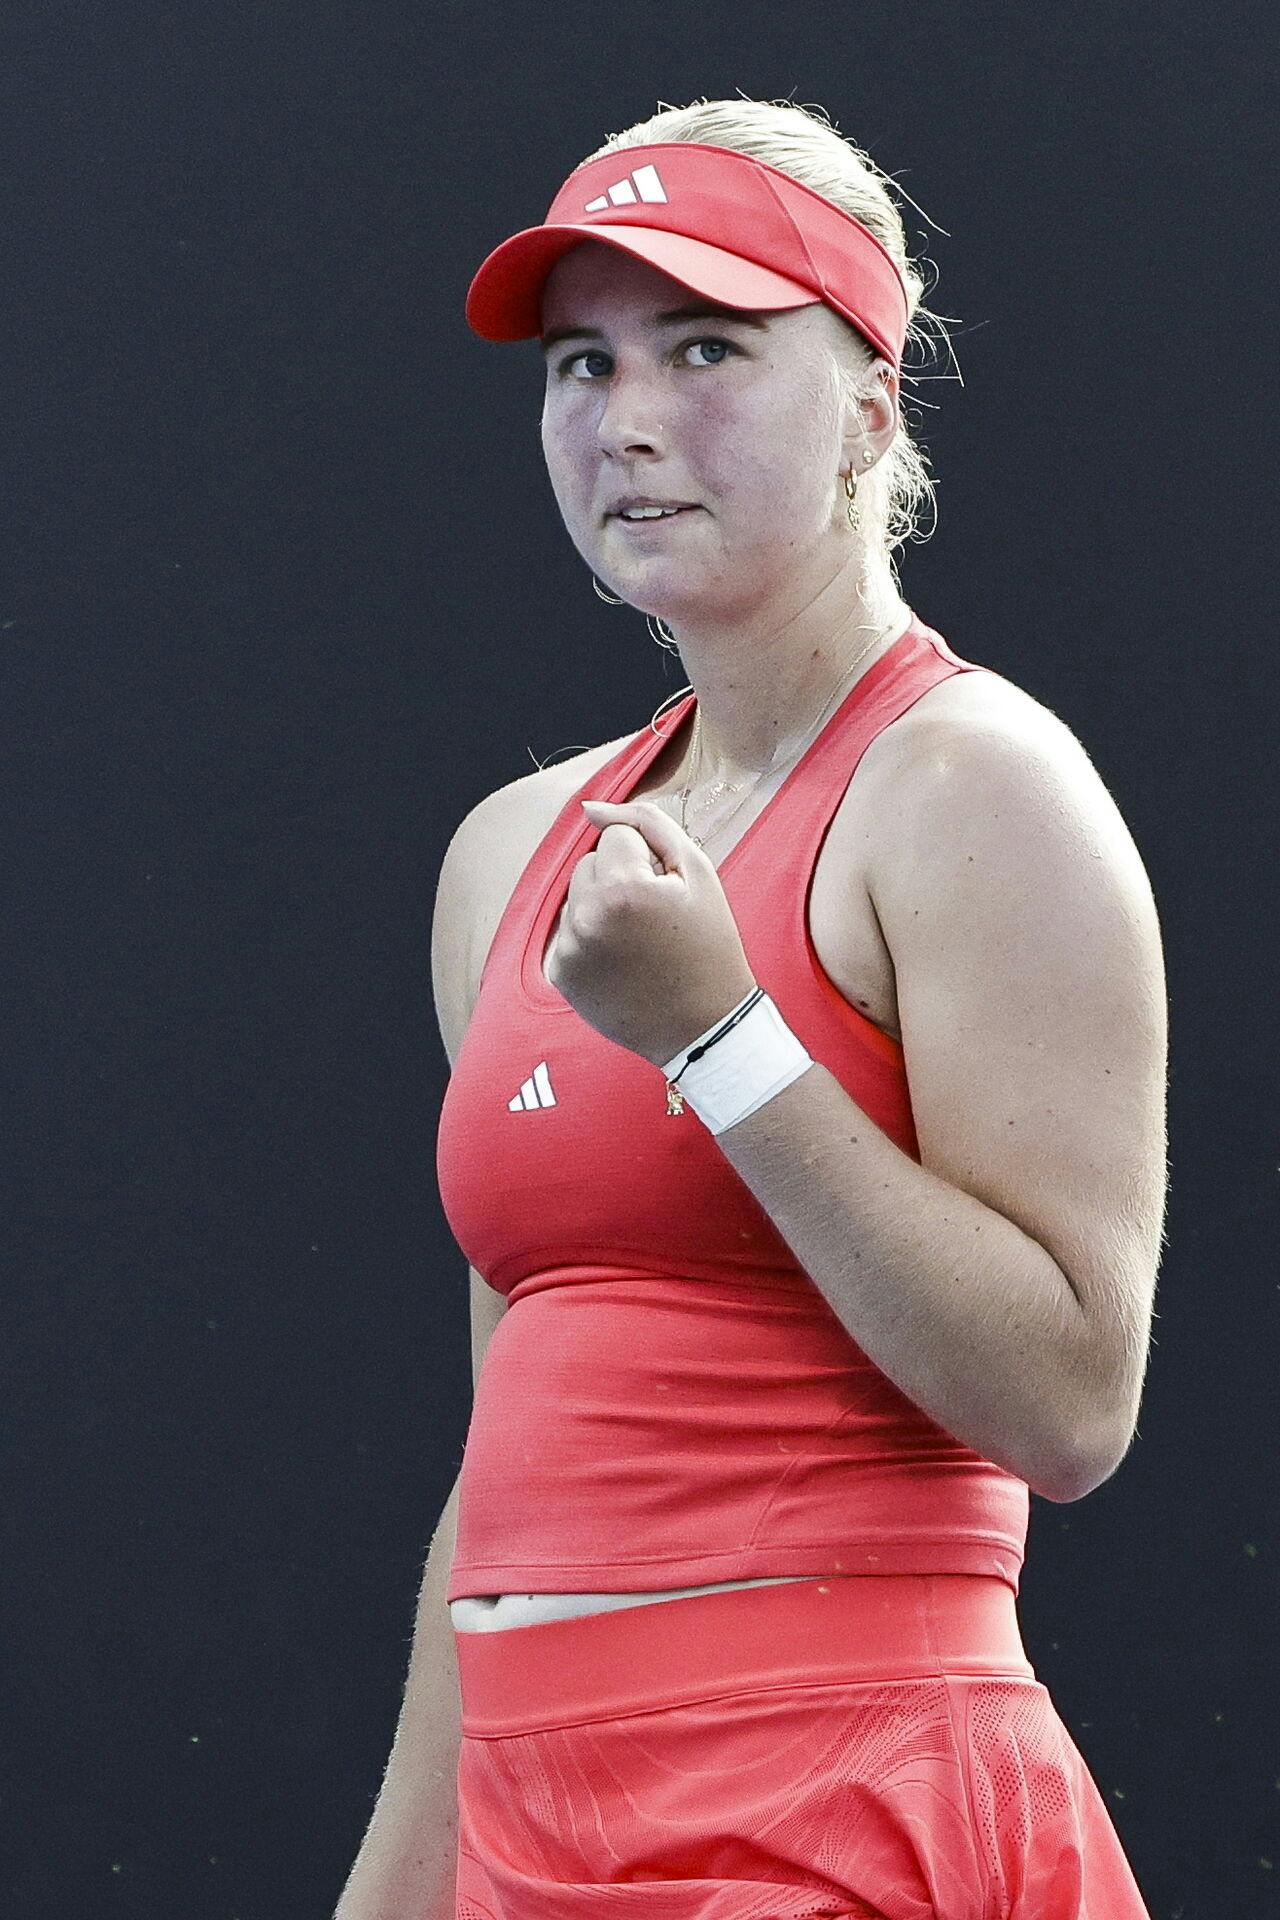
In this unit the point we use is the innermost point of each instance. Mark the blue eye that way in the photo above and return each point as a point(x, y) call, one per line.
point(597, 353)
point(726, 344)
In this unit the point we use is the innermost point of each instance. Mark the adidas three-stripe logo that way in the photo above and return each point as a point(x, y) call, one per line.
point(643, 184)
point(536, 1092)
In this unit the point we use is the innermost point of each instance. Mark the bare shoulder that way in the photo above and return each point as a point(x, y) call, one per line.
point(966, 717)
point(518, 815)
point(963, 703)
point(489, 850)
point(977, 753)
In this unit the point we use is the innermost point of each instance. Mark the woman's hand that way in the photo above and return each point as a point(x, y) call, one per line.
point(648, 950)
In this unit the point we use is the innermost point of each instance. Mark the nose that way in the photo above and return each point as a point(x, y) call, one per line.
point(630, 417)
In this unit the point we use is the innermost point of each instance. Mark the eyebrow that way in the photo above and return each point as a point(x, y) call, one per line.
point(699, 311)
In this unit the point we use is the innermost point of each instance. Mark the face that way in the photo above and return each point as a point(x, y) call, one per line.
point(743, 421)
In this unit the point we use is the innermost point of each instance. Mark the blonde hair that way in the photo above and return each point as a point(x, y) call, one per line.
point(802, 142)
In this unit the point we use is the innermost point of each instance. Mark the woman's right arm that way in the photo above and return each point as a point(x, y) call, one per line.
point(406, 1866)
point(405, 1869)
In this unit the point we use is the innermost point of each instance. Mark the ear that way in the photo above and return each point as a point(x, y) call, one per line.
point(871, 414)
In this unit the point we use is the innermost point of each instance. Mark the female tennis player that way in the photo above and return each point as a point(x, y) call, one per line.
point(805, 1136)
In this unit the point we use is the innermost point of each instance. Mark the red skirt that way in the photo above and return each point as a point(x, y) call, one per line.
point(861, 1746)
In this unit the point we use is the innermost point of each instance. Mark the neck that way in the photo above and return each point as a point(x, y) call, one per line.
point(761, 687)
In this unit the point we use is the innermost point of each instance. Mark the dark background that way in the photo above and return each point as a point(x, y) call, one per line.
point(285, 592)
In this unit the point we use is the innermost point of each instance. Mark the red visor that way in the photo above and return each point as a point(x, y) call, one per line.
point(721, 222)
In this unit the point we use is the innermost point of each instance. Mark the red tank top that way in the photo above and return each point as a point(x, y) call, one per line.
point(669, 1401)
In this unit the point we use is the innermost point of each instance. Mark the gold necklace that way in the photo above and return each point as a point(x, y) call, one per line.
point(721, 787)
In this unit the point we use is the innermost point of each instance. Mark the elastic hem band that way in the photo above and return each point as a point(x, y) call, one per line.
point(663, 1653)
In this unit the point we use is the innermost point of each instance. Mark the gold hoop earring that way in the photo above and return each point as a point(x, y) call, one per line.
point(853, 511)
point(608, 598)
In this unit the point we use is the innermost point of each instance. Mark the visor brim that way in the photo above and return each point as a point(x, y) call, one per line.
point(504, 300)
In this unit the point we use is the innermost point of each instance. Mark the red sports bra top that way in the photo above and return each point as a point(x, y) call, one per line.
point(669, 1400)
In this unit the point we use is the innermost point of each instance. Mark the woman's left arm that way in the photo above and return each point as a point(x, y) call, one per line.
point(1005, 1283)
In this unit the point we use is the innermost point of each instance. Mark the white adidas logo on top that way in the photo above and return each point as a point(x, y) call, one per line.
point(624, 193)
point(536, 1092)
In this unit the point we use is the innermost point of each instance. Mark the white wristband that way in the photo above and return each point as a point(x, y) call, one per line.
point(757, 1058)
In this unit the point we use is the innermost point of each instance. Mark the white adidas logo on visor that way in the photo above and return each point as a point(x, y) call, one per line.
point(536, 1092)
point(624, 193)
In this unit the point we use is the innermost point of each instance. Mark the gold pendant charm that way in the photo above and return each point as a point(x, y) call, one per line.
point(675, 1099)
